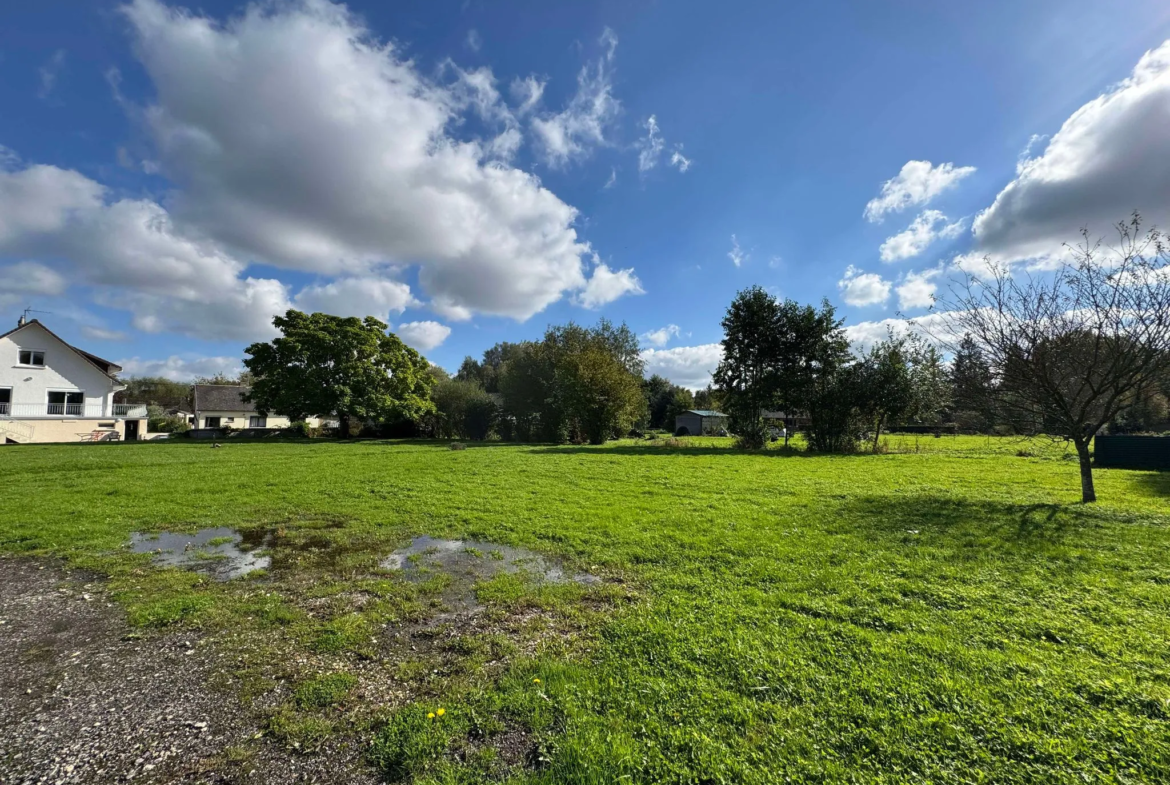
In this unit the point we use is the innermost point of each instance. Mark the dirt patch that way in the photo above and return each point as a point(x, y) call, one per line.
point(84, 700)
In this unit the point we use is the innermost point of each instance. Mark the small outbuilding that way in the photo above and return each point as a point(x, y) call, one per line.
point(697, 422)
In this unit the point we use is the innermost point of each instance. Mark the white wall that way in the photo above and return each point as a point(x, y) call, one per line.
point(64, 371)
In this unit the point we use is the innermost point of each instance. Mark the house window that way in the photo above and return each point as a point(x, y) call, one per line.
point(70, 404)
point(29, 357)
point(210, 422)
point(5, 401)
point(257, 422)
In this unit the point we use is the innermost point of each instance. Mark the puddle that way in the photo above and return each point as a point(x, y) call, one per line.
point(470, 562)
point(214, 552)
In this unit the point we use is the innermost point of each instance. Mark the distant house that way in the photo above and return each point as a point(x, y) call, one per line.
point(53, 392)
point(697, 422)
point(223, 406)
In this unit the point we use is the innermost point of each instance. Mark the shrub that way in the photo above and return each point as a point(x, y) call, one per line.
point(682, 430)
point(457, 446)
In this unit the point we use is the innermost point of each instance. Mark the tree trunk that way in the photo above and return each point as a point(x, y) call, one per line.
point(343, 425)
point(1088, 493)
point(877, 433)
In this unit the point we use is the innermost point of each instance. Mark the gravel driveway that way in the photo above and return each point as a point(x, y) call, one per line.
point(82, 700)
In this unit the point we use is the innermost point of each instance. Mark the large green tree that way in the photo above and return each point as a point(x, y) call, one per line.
point(597, 374)
point(353, 368)
point(747, 373)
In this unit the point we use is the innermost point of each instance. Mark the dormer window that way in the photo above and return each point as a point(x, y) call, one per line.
point(29, 357)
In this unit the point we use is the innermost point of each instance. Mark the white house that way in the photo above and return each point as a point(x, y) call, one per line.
point(53, 392)
point(223, 406)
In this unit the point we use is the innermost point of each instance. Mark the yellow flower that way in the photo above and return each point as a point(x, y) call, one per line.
point(430, 715)
point(441, 712)
point(536, 681)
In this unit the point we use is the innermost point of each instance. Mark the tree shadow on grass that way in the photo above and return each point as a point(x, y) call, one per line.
point(690, 450)
point(966, 523)
point(1154, 483)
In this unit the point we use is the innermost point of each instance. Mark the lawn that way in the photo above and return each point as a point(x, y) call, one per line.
point(946, 612)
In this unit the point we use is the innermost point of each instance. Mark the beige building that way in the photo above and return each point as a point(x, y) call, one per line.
point(223, 406)
point(53, 392)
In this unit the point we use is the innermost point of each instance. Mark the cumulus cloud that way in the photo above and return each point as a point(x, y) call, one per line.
point(133, 252)
point(423, 336)
point(932, 327)
point(1112, 156)
point(298, 139)
point(606, 285)
point(737, 255)
point(181, 368)
point(570, 134)
point(32, 278)
point(358, 297)
point(930, 225)
point(661, 336)
point(686, 366)
point(860, 288)
point(916, 290)
point(917, 184)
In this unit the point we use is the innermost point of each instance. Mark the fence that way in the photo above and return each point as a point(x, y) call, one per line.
point(1132, 452)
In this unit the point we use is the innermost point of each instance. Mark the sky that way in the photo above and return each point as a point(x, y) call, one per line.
point(172, 176)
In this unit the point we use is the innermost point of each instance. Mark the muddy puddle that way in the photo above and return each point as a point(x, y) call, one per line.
point(469, 562)
point(221, 553)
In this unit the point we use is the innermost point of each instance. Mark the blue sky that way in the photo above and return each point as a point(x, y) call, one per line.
point(475, 171)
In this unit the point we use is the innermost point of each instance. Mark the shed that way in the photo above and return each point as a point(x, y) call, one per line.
point(697, 422)
point(1132, 452)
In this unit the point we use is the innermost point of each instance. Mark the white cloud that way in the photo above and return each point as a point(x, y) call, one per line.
point(358, 297)
point(423, 336)
point(569, 134)
point(49, 73)
point(474, 41)
point(527, 92)
point(650, 148)
point(612, 178)
point(736, 254)
point(860, 289)
point(1024, 159)
point(102, 334)
point(661, 336)
point(297, 139)
point(686, 366)
point(679, 160)
point(916, 184)
point(932, 326)
point(917, 289)
point(136, 256)
point(181, 368)
point(1112, 156)
point(32, 278)
point(930, 225)
point(606, 285)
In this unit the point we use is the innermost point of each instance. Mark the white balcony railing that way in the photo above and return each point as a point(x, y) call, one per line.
point(90, 411)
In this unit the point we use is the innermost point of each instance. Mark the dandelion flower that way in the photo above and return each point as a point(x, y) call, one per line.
point(430, 715)
point(536, 681)
point(440, 712)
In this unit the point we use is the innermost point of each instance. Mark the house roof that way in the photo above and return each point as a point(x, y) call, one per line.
point(105, 366)
point(222, 398)
point(706, 412)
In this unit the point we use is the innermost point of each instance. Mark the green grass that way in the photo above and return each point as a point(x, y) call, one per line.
point(946, 612)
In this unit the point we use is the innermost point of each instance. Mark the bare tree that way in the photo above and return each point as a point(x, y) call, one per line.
point(1073, 348)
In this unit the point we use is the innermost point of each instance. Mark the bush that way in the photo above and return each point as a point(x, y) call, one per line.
point(458, 446)
point(682, 430)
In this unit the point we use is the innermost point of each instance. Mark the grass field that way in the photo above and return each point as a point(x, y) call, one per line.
point(946, 612)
